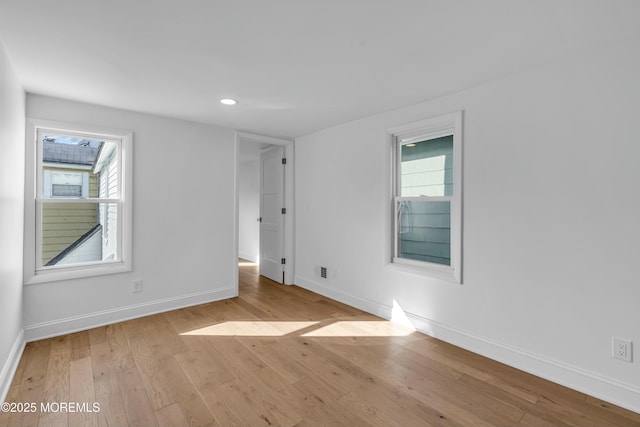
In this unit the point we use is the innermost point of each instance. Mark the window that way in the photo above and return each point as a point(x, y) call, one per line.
point(427, 195)
point(80, 204)
point(65, 184)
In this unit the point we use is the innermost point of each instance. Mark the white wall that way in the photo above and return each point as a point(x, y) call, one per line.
point(551, 221)
point(183, 216)
point(12, 110)
point(249, 209)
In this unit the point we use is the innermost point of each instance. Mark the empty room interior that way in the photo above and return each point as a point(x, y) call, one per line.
point(301, 213)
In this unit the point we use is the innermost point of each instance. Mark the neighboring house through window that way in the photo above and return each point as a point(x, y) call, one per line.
point(82, 210)
point(65, 184)
point(427, 197)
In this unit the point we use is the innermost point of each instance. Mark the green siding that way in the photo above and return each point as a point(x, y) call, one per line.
point(425, 231)
point(64, 223)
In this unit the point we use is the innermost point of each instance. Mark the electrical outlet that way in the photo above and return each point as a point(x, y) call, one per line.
point(136, 286)
point(622, 349)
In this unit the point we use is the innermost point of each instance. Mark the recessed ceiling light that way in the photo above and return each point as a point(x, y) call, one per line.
point(228, 101)
point(411, 145)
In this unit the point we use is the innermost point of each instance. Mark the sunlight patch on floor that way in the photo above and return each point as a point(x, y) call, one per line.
point(347, 328)
point(256, 328)
point(342, 328)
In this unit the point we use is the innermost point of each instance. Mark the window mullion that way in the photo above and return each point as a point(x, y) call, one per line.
point(44, 200)
point(425, 198)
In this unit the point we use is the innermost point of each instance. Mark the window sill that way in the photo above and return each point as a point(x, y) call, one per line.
point(77, 272)
point(425, 269)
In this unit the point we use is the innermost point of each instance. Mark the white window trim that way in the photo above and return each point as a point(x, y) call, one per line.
point(33, 186)
point(434, 127)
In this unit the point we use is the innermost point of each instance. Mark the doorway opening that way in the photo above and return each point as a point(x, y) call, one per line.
point(264, 194)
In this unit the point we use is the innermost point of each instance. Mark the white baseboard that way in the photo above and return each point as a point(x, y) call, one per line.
point(92, 320)
point(593, 384)
point(363, 304)
point(10, 366)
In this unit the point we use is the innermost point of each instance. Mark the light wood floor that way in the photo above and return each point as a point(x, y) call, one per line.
point(283, 356)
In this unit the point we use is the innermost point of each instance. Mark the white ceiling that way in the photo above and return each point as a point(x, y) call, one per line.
point(296, 66)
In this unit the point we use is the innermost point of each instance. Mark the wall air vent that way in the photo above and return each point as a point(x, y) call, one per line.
point(323, 272)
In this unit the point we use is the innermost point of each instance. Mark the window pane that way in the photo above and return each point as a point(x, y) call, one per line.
point(424, 231)
point(426, 168)
point(79, 232)
point(66, 190)
point(68, 150)
point(78, 168)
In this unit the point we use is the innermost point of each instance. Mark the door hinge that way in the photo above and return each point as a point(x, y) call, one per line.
point(284, 160)
point(283, 261)
point(284, 211)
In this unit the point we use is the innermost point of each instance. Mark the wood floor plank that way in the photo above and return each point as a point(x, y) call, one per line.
point(80, 345)
point(318, 408)
point(189, 318)
point(28, 392)
point(14, 389)
point(269, 394)
point(626, 415)
point(442, 394)
point(136, 404)
point(156, 335)
point(110, 351)
point(20, 369)
point(53, 420)
point(235, 355)
point(270, 305)
point(531, 420)
point(171, 416)
point(382, 410)
point(97, 335)
point(196, 411)
point(159, 392)
point(565, 410)
point(61, 344)
point(271, 353)
point(246, 411)
point(203, 366)
point(56, 386)
point(253, 310)
point(225, 414)
point(31, 388)
point(282, 355)
point(257, 406)
point(229, 310)
point(375, 354)
point(518, 382)
point(166, 384)
point(318, 363)
point(82, 390)
point(109, 396)
point(105, 368)
point(37, 362)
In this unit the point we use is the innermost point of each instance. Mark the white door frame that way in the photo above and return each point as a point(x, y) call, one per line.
point(289, 241)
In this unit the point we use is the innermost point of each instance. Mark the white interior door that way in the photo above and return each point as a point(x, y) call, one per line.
point(271, 215)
